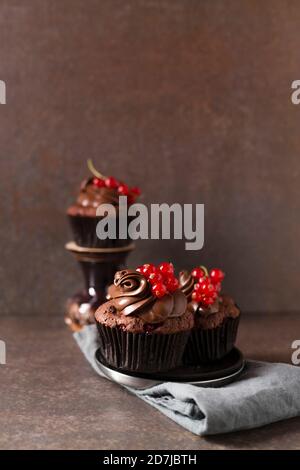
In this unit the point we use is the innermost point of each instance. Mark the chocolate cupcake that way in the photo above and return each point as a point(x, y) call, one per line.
point(83, 217)
point(145, 324)
point(216, 316)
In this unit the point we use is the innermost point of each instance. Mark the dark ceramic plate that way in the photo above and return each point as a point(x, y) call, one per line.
point(215, 374)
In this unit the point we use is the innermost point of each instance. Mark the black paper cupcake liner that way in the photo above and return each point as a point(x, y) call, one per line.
point(141, 352)
point(212, 344)
point(85, 235)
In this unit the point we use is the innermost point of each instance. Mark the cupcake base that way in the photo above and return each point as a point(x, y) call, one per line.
point(211, 344)
point(141, 352)
point(85, 235)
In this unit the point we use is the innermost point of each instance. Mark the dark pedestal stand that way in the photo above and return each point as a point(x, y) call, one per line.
point(98, 266)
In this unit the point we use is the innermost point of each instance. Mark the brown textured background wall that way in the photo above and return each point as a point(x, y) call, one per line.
point(188, 98)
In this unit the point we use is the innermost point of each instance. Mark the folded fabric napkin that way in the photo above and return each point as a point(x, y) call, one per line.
point(263, 394)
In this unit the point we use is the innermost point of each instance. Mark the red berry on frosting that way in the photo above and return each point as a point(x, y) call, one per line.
point(198, 273)
point(216, 275)
point(210, 288)
point(196, 296)
point(197, 286)
point(207, 288)
point(161, 278)
point(171, 283)
point(166, 268)
point(218, 287)
point(202, 286)
point(207, 300)
point(123, 189)
point(155, 278)
point(214, 296)
point(148, 269)
point(111, 182)
point(136, 191)
point(159, 290)
point(98, 182)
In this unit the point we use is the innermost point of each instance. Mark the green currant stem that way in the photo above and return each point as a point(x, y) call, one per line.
point(205, 270)
point(93, 170)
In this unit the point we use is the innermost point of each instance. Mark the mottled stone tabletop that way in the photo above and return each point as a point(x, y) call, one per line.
point(52, 399)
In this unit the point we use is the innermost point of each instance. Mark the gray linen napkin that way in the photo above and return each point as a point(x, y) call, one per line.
point(264, 393)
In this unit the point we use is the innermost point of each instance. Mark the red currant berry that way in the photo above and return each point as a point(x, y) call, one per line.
point(98, 182)
point(201, 280)
point(206, 287)
point(207, 301)
point(148, 269)
point(111, 182)
point(130, 200)
point(123, 189)
point(218, 287)
point(214, 296)
point(171, 283)
point(139, 269)
point(167, 276)
point(210, 288)
point(198, 273)
point(166, 268)
point(216, 275)
point(136, 191)
point(159, 290)
point(196, 296)
point(203, 286)
point(155, 278)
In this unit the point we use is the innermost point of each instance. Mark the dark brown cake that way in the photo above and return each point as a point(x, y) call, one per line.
point(82, 214)
point(140, 332)
point(90, 197)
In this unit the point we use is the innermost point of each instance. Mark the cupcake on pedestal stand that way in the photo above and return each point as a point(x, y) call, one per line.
point(98, 259)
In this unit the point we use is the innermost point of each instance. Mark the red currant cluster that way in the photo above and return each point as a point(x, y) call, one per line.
point(111, 183)
point(161, 278)
point(208, 285)
point(101, 181)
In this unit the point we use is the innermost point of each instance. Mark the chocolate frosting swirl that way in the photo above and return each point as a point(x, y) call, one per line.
point(186, 283)
point(130, 294)
point(92, 196)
